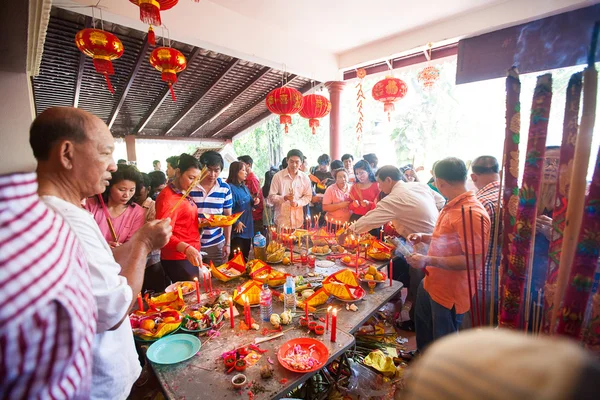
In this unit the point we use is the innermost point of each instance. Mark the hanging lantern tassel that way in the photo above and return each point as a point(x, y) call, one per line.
point(150, 12)
point(151, 36)
point(285, 120)
point(170, 78)
point(314, 124)
point(389, 109)
point(104, 66)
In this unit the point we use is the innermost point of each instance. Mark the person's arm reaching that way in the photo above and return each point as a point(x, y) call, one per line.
point(451, 263)
point(380, 215)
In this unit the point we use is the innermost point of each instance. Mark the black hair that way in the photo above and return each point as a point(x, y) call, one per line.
point(347, 156)
point(268, 179)
point(155, 162)
point(364, 165)
point(451, 169)
point(485, 165)
point(323, 159)
point(122, 161)
point(173, 161)
point(389, 171)
point(47, 129)
point(336, 164)
point(157, 178)
point(371, 158)
point(186, 162)
point(125, 173)
point(295, 152)
point(209, 159)
point(246, 160)
point(234, 169)
point(147, 181)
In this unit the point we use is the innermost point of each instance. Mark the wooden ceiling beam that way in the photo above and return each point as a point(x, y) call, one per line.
point(228, 68)
point(268, 113)
point(138, 63)
point(162, 97)
point(252, 105)
point(88, 24)
point(230, 100)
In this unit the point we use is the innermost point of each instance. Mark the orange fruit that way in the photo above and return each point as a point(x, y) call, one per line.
point(148, 325)
point(369, 277)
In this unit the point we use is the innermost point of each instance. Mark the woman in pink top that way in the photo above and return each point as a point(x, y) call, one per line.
point(337, 198)
point(126, 216)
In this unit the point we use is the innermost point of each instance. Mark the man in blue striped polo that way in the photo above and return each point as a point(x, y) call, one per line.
point(213, 196)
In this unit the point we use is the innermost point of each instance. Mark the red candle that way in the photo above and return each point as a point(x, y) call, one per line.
point(140, 302)
point(357, 256)
point(327, 318)
point(291, 251)
point(381, 234)
point(205, 282)
point(231, 321)
point(333, 325)
point(306, 310)
point(210, 281)
point(391, 271)
point(247, 311)
point(197, 289)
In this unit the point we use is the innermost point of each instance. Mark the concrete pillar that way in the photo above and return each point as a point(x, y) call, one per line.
point(130, 146)
point(335, 125)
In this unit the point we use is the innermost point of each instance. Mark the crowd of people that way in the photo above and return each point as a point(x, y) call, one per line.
point(99, 233)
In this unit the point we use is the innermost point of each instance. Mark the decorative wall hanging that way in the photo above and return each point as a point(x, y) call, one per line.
point(150, 13)
point(430, 74)
point(284, 101)
point(103, 47)
point(169, 62)
point(360, 96)
point(388, 91)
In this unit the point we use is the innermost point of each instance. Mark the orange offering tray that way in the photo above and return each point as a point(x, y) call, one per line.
point(153, 325)
point(344, 285)
point(251, 290)
point(219, 221)
point(263, 273)
point(173, 300)
point(234, 268)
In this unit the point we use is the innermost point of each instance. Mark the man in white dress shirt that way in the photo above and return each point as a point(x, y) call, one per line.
point(290, 192)
point(74, 153)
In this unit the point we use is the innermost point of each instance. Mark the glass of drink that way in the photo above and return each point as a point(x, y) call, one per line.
point(304, 257)
point(311, 260)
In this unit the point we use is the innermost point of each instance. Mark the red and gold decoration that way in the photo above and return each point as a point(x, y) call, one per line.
point(360, 96)
point(150, 13)
point(429, 76)
point(284, 101)
point(314, 107)
point(103, 47)
point(169, 62)
point(388, 91)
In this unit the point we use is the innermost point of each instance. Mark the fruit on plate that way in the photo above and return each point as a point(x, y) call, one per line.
point(320, 249)
point(147, 324)
point(338, 249)
point(371, 270)
point(369, 277)
point(347, 259)
point(378, 276)
point(286, 261)
point(275, 252)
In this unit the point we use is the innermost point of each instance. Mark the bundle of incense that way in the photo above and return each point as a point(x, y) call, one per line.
point(578, 177)
point(521, 257)
point(493, 267)
point(474, 264)
point(567, 152)
point(579, 287)
point(108, 219)
point(194, 183)
point(510, 201)
point(474, 311)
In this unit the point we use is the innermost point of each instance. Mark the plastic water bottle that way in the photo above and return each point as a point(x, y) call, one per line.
point(289, 295)
point(266, 303)
point(260, 245)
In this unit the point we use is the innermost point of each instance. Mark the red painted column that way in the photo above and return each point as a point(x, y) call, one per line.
point(335, 90)
point(130, 146)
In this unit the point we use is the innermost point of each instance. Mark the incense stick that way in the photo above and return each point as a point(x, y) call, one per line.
point(493, 266)
point(108, 219)
point(464, 221)
point(474, 265)
point(482, 271)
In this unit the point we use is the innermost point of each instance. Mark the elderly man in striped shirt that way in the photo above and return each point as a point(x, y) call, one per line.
point(213, 197)
point(74, 153)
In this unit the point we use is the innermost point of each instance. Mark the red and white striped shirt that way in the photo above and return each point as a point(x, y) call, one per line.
point(48, 312)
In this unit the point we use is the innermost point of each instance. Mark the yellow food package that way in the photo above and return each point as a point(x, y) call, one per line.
point(317, 298)
point(381, 362)
point(172, 300)
point(251, 289)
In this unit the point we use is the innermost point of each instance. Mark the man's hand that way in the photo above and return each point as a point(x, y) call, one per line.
point(415, 238)
point(356, 203)
point(544, 226)
point(193, 256)
point(226, 251)
point(288, 197)
point(256, 200)
point(294, 203)
point(366, 203)
point(155, 234)
point(239, 227)
point(417, 261)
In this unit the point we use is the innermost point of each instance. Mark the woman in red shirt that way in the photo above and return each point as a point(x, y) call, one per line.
point(180, 258)
point(364, 192)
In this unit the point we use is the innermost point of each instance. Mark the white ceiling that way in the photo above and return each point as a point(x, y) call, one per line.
point(319, 38)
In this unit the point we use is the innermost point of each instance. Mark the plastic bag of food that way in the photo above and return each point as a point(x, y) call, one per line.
point(366, 384)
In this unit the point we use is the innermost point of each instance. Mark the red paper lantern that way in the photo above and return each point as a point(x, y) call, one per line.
point(388, 91)
point(103, 47)
point(169, 62)
point(315, 106)
point(284, 101)
point(429, 75)
point(150, 13)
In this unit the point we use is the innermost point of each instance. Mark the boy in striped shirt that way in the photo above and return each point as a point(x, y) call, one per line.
point(213, 196)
